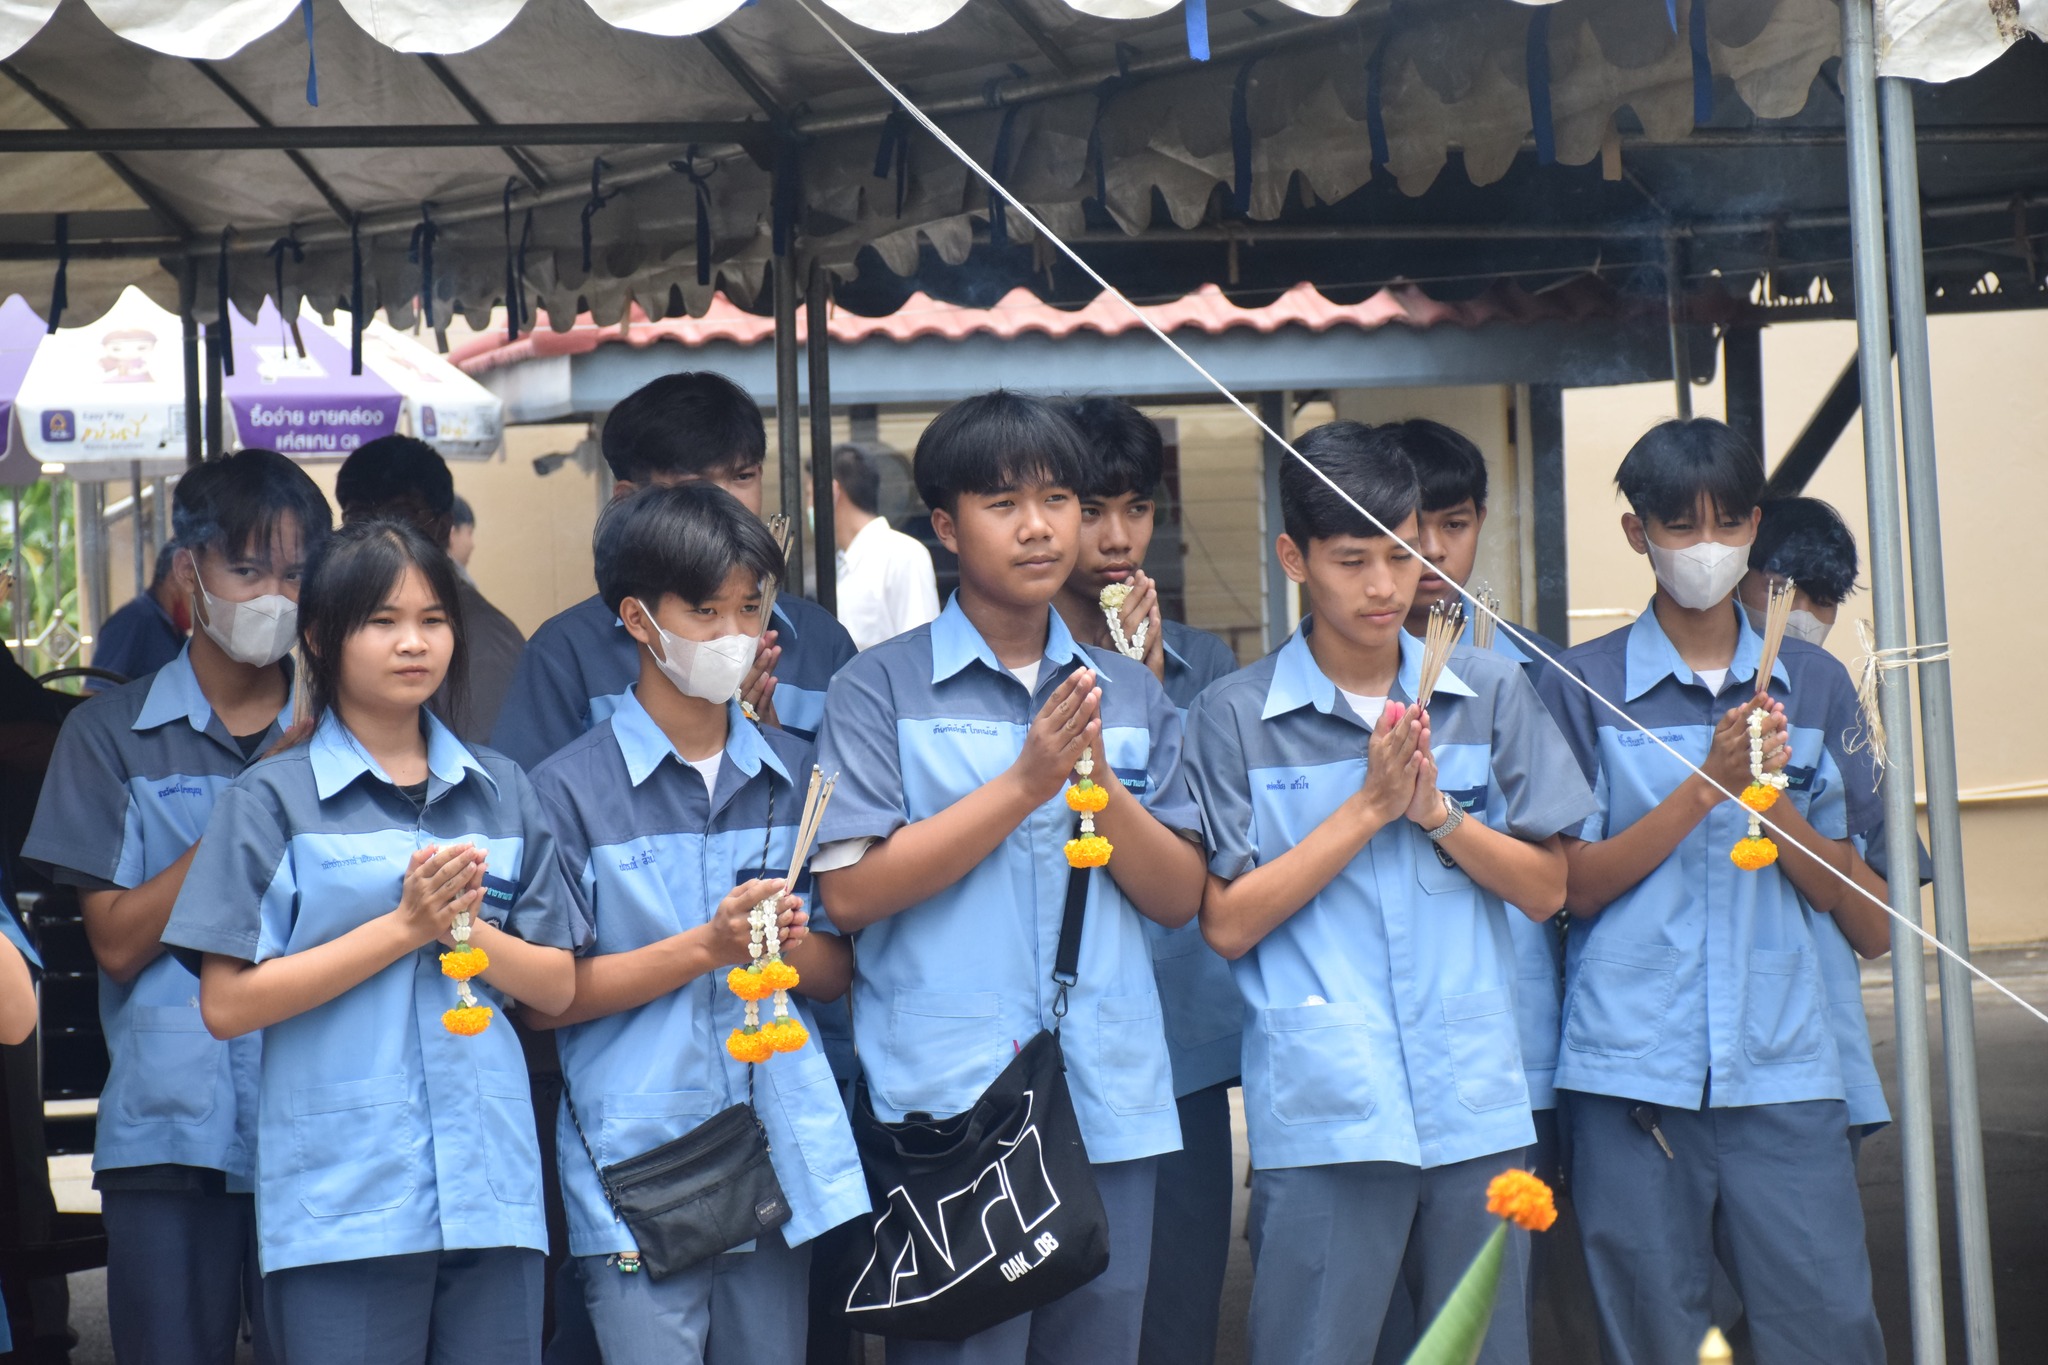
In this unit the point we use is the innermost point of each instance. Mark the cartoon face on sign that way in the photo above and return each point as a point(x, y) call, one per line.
point(124, 356)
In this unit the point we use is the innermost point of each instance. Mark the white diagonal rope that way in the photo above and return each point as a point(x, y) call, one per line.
point(997, 187)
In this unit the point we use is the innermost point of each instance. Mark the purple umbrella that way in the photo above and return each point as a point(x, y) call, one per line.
point(20, 333)
point(305, 405)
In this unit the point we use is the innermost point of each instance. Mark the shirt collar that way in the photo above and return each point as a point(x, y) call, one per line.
point(1652, 657)
point(956, 643)
point(338, 759)
point(1298, 680)
point(174, 695)
point(643, 745)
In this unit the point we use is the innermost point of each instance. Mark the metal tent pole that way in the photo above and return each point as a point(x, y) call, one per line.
point(1546, 469)
point(817, 351)
point(188, 293)
point(216, 434)
point(1937, 716)
point(1275, 410)
point(1742, 370)
point(1674, 304)
point(138, 525)
point(1888, 597)
point(788, 439)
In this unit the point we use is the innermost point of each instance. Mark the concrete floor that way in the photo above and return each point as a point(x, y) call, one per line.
point(2013, 1069)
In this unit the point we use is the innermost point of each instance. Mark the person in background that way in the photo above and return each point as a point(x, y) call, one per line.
point(1700, 1071)
point(20, 968)
point(1119, 491)
point(681, 428)
point(407, 480)
point(462, 533)
point(943, 848)
point(147, 633)
point(886, 584)
point(136, 778)
point(399, 1197)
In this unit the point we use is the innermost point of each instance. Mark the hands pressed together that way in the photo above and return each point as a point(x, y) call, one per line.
point(728, 931)
point(1069, 724)
point(1400, 772)
point(440, 883)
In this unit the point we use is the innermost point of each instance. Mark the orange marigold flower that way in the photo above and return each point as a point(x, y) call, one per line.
point(1759, 796)
point(1086, 797)
point(778, 975)
point(748, 983)
point(785, 1035)
point(749, 1045)
point(1090, 851)
point(465, 962)
point(1752, 854)
point(467, 1021)
point(1523, 1200)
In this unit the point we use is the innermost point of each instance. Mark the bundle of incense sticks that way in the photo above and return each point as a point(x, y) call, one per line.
point(1777, 611)
point(1446, 624)
point(780, 527)
point(815, 800)
point(1484, 622)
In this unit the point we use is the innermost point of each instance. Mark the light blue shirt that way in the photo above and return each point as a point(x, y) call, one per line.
point(946, 991)
point(1702, 984)
point(649, 853)
point(1204, 1017)
point(381, 1133)
point(134, 779)
point(1378, 1018)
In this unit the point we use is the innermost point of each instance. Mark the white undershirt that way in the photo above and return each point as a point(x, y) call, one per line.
point(1368, 708)
point(707, 768)
point(1712, 677)
point(1028, 674)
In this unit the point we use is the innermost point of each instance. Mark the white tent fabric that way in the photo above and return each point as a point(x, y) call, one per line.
point(1945, 40)
point(100, 396)
point(441, 405)
point(1454, 79)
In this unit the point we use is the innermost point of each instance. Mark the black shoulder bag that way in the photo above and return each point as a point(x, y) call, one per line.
point(988, 1214)
point(706, 1192)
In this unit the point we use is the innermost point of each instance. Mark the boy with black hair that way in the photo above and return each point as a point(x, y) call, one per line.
point(681, 428)
point(676, 815)
point(407, 480)
point(462, 533)
point(1699, 1069)
point(1806, 541)
point(1119, 493)
point(943, 850)
point(1362, 855)
point(130, 790)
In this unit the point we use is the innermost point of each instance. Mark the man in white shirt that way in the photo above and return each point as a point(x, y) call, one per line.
point(886, 583)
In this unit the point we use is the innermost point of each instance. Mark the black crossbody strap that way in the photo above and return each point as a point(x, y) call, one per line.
point(1066, 958)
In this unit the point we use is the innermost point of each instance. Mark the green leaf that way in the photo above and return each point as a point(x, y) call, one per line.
point(1460, 1328)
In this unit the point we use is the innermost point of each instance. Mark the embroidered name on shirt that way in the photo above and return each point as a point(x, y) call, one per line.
point(181, 789)
point(1299, 784)
point(359, 860)
point(963, 728)
point(1635, 739)
point(639, 860)
point(499, 893)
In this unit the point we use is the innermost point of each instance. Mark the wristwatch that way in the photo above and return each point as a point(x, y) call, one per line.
point(1454, 816)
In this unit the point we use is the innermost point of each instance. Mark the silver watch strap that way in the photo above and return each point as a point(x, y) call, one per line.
point(1454, 816)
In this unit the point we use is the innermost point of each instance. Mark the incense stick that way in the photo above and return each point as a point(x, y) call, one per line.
point(815, 801)
point(1777, 611)
point(1484, 623)
point(1446, 624)
point(781, 528)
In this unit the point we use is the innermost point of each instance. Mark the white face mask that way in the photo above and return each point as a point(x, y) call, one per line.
point(708, 669)
point(1699, 576)
point(257, 632)
point(1800, 624)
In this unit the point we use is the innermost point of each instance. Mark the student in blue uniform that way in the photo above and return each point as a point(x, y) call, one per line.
point(676, 816)
point(131, 788)
point(147, 633)
point(1119, 494)
point(1360, 854)
point(398, 1201)
point(682, 428)
point(1702, 1078)
point(953, 744)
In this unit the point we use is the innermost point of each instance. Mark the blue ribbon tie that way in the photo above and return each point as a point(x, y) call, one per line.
point(227, 325)
point(355, 296)
point(700, 189)
point(312, 67)
point(1702, 66)
point(598, 199)
point(1198, 28)
point(60, 288)
point(421, 254)
point(1539, 87)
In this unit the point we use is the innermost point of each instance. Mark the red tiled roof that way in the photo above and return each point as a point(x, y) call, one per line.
point(1020, 312)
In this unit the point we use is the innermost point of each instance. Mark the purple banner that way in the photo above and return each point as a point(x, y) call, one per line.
point(303, 405)
point(21, 331)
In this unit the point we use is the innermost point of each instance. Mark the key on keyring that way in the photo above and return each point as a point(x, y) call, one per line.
point(1645, 1117)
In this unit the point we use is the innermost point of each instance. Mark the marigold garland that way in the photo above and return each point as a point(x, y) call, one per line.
point(786, 1034)
point(767, 976)
point(1751, 855)
point(1756, 851)
point(779, 975)
point(1087, 848)
point(1088, 851)
point(1759, 796)
point(749, 1045)
point(465, 962)
point(467, 1021)
point(1086, 798)
point(1523, 1200)
point(749, 984)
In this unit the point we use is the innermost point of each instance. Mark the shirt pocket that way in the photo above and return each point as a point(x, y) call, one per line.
point(943, 1049)
point(1318, 1062)
point(356, 1146)
point(1130, 1049)
point(1486, 1059)
point(634, 1124)
point(1619, 997)
point(811, 1104)
point(1201, 1001)
point(174, 1066)
point(1434, 869)
point(509, 1135)
point(1782, 1019)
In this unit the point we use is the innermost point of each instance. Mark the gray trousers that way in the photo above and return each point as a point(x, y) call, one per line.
point(181, 1268)
point(1190, 1236)
point(742, 1308)
point(1769, 1190)
point(428, 1308)
point(1096, 1324)
point(1329, 1244)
